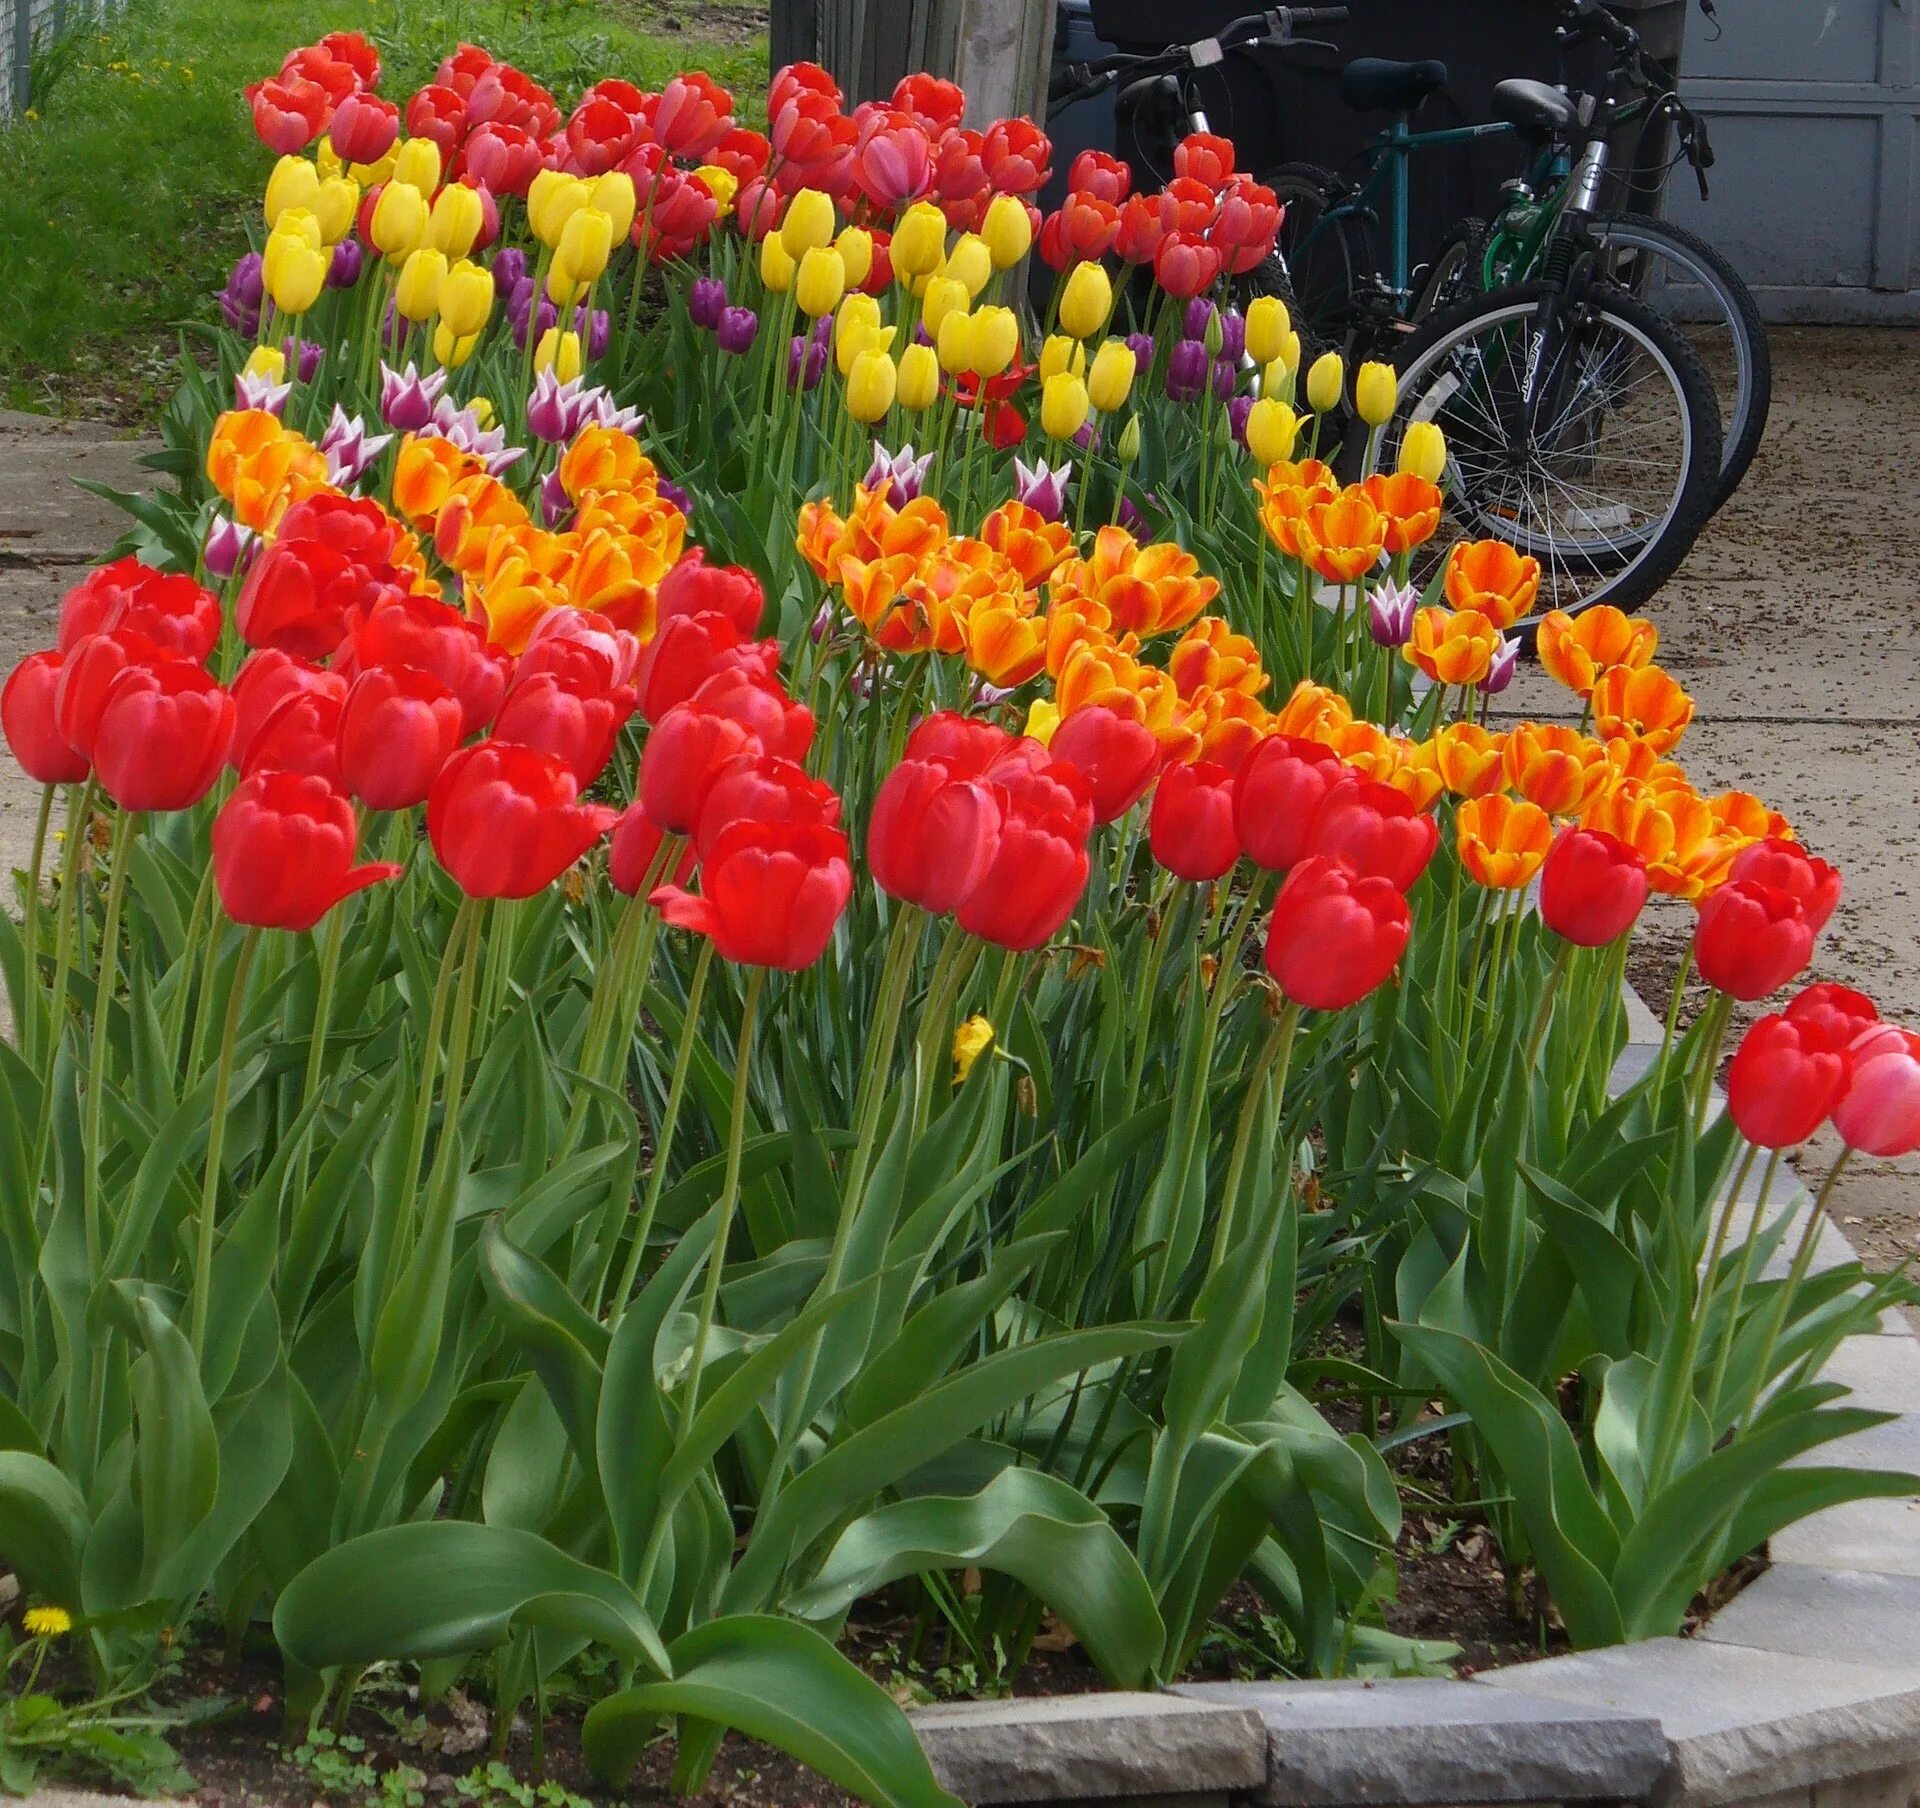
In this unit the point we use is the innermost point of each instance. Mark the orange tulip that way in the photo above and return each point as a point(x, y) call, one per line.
point(1740, 813)
point(1312, 713)
point(1555, 768)
point(1468, 759)
point(510, 595)
point(1289, 491)
point(1342, 539)
point(604, 458)
point(1452, 646)
point(425, 471)
point(1502, 842)
point(821, 532)
point(1410, 506)
point(261, 467)
point(1492, 578)
point(1628, 758)
point(1647, 703)
point(1227, 724)
point(1005, 646)
point(1149, 589)
point(1073, 620)
point(1576, 649)
point(1034, 544)
point(605, 575)
point(1211, 656)
point(1672, 830)
point(1417, 775)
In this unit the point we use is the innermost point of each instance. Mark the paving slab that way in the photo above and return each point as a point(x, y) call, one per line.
point(1742, 1722)
point(44, 517)
point(1092, 1748)
point(1883, 1373)
point(1856, 1615)
point(1882, 1536)
point(1431, 1741)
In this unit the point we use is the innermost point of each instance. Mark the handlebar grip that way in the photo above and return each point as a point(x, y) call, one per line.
point(1317, 15)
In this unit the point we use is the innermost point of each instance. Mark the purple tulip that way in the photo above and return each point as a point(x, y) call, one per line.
point(1500, 672)
point(1187, 371)
point(229, 548)
point(672, 492)
point(596, 407)
point(350, 449)
point(899, 474)
point(596, 332)
point(303, 357)
point(1130, 517)
point(1237, 411)
point(509, 272)
point(823, 330)
point(1042, 489)
point(1233, 335)
point(1224, 372)
point(407, 399)
point(240, 300)
point(553, 408)
point(1088, 436)
point(1390, 612)
point(806, 361)
point(556, 506)
point(1142, 347)
point(706, 301)
point(1199, 312)
point(347, 263)
point(736, 330)
point(822, 623)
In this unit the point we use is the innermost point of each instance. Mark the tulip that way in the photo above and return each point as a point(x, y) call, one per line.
point(1502, 842)
point(693, 587)
point(1086, 301)
point(169, 608)
point(919, 241)
point(1059, 353)
point(465, 299)
point(1837, 1014)
point(398, 727)
point(558, 352)
point(898, 476)
point(1375, 830)
point(1271, 430)
point(455, 220)
point(416, 296)
point(855, 246)
point(1110, 377)
point(1374, 393)
point(1041, 488)
point(1190, 826)
point(296, 277)
point(505, 821)
point(944, 297)
point(634, 852)
point(1390, 612)
point(1500, 669)
point(819, 282)
point(994, 339)
point(398, 225)
point(1187, 370)
point(363, 127)
point(1452, 647)
point(682, 758)
point(1268, 325)
point(1750, 939)
point(808, 224)
point(1334, 935)
point(1063, 405)
point(933, 833)
point(1118, 755)
point(1326, 382)
point(736, 330)
point(586, 243)
point(1592, 887)
point(969, 263)
point(1490, 577)
point(770, 893)
point(294, 182)
point(763, 788)
point(418, 164)
point(407, 399)
point(89, 669)
point(1277, 794)
point(1878, 1111)
point(1784, 1081)
point(283, 849)
point(427, 636)
point(1423, 451)
point(870, 387)
point(1038, 871)
point(27, 716)
point(162, 736)
point(706, 300)
point(297, 730)
point(777, 268)
point(1007, 231)
point(953, 342)
point(688, 648)
point(1645, 705)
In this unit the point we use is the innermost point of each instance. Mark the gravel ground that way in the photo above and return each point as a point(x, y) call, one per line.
point(1793, 623)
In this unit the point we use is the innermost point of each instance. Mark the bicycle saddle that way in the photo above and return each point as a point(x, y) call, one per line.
point(1534, 107)
point(1368, 84)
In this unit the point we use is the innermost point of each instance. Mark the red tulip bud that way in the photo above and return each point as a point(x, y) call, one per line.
point(1783, 1081)
point(1592, 886)
point(1191, 823)
point(505, 821)
point(1879, 1111)
point(27, 715)
point(283, 848)
point(1118, 755)
point(770, 893)
point(1751, 939)
point(1335, 934)
point(1281, 785)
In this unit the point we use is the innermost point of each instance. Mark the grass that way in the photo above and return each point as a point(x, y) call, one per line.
point(127, 191)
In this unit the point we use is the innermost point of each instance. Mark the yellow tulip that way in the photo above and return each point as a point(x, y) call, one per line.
point(399, 221)
point(328, 161)
point(1290, 353)
point(417, 163)
point(776, 267)
point(1063, 405)
point(1043, 718)
point(953, 341)
point(301, 227)
point(1375, 390)
point(451, 350)
point(372, 175)
point(1325, 382)
point(870, 387)
point(1268, 325)
point(1423, 451)
point(1272, 428)
point(466, 299)
point(1277, 381)
point(856, 311)
point(722, 184)
point(919, 241)
point(1086, 301)
point(586, 242)
point(970, 1041)
point(820, 281)
point(996, 340)
point(552, 201)
point(1110, 380)
point(969, 262)
point(299, 275)
point(1007, 231)
point(267, 361)
point(612, 194)
point(417, 294)
point(558, 352)
point(335, 207)
point(855, 245)
point(1060, 353)
point(481, 408)
point(919, 381)
point(808, 223)
point(455, 219)
point(944, 296)
point(294, 183)
point(849, 345)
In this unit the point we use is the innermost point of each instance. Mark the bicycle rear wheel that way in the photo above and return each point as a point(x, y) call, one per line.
point(1328, 252)
point(1611, 491)
point(1699, 292)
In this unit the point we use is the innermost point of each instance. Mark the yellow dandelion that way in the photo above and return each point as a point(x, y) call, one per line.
point(970, 1041)
point(47, 1622)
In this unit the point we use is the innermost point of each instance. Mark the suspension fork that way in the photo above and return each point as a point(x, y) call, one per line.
point(1568, 273)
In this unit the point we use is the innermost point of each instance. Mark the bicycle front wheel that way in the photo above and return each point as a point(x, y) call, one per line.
point(1608, 491)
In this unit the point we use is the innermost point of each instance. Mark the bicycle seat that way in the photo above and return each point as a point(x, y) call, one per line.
point(1534, 107)
point(1369, 84)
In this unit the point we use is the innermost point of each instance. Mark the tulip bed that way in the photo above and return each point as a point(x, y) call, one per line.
point(660, 1013)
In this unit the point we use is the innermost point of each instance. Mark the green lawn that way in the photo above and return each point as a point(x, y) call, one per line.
point(126, 193)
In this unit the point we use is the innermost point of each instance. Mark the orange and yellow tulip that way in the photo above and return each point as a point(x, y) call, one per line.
point(1452, 646)
point(1343, 539)
point(1555, 768)
point(1468, 759)
point(1576, 649)
point(1211, 656)
point(1149, 589)
point(1289, 491)
point(1489, 576)
point(1028, 539)
point(1502, 841)
point(1409, 504)
point(1646, 703)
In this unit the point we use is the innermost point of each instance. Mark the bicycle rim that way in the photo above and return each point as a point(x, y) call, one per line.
point(1608, 494)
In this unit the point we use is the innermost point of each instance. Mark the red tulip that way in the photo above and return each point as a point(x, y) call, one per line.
point(27, 716)
point(1187, 206)
point(960, 178)
point(1088, 228)
point(683, 757)
point(398, 727)
point(298, 597)
point(88, 671)
point(933, 834)
point(1335, 935)
point(1141, 230)
point(1783, 1082)
point(1101, 175)
point(965, 745)
point(503, 159)
point(1185, 266)
point(364, 127)
point(1788, 867)
point(742, 153)
point(770, 893)
point(558, 632)
point(1375, 829)
point(1204, 157)
point(938, 105)
point(356, 50)
point(694, 587)
point(287, 115)
point(1118, 755)
point(685, 651)
point(763, 787)
point(635, 848)
point(893, 166)
point(690, 115)
point(1878, 1111)
point(1592, 886)
point(438, 113)
point(1281, 784)
point(1190, 827)
point(301, 733)
point(566, 713)
point(792, 79)
point(1016, 155)
point(263, 683)
point(1838, 1013)
point(1039, 866)
point(1751, 939)
point(428, 636)
point(758, 703)
point(162, 736)
point(506, 822)
point(168, 607)
point(283, 847)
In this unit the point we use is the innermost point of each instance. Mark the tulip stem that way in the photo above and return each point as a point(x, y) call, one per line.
point(1268, 1079)
point(109, 964)
point(177, 1006)
point(1741, 1278)
point(1796, 1275)
point(216, 1145)
point(1672, 1025)
point(79, 813)
point(1544, 1015)
point(330, 945)
point(28, 1011)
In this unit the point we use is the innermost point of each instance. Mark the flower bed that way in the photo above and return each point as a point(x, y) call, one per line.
point(936, 979)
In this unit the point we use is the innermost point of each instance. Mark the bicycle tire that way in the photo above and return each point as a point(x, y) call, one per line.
point(1744, 425)
point(1649, 559)
point(1327, 275)
point(1455, 273)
